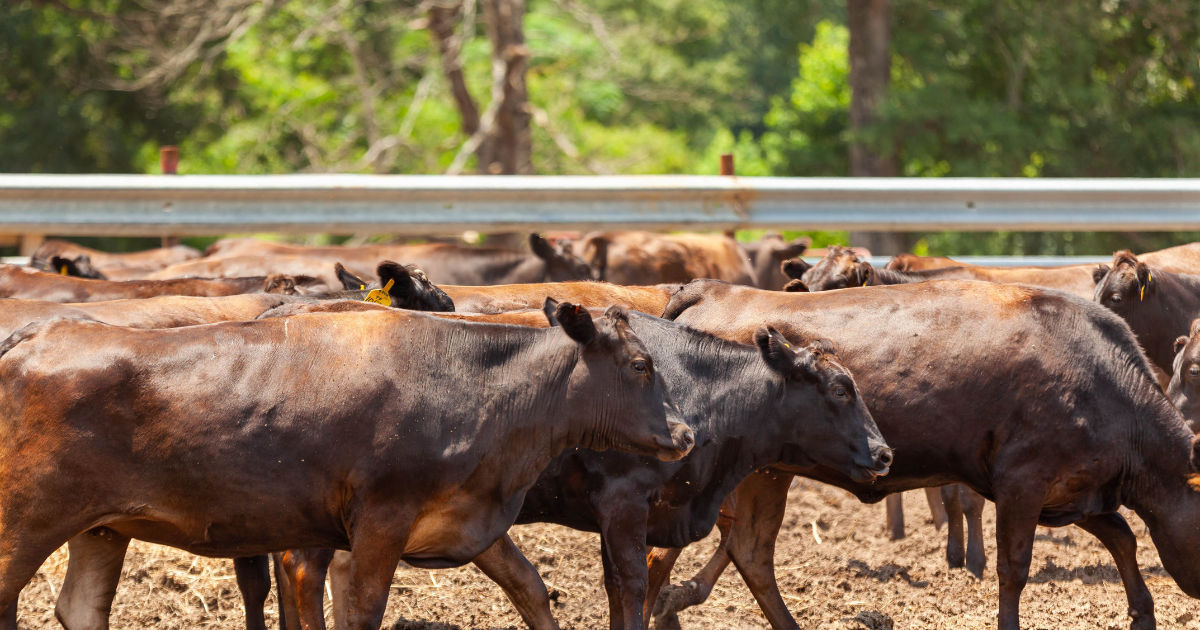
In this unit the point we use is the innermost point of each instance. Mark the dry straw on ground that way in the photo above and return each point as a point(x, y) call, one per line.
point(854, 579)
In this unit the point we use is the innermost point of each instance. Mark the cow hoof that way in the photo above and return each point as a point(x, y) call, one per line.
point(1142, 621)
point(955, 560)
point(976, 568)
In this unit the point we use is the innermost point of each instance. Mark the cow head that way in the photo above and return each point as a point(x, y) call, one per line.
point(767, 254)
point(1124, 285)
point(1184, 389)
point(619, 386)
point(830, 424)
point(562, 265)
point(80, 266)
point(839, 269)
point(411, 288)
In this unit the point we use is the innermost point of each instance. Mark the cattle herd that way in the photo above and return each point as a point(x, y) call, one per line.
point(333, 411)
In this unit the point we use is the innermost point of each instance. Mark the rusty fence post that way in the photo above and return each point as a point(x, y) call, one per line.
point(168, 159)
point(727, 169)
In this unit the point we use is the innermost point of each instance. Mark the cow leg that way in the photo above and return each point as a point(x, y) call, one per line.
point(306, 569)
point(895, 516)
point(936, 509)
point(508, 567)
point(693, 592)
point(376, 554)
point(972, 507)
point(339, 587)
point(1018, 505)
point(1114, 533)
point(955, 545)
point(664, 604)
point(760, 507)
point(289, 613)
point(659, 562)
point(21, 555)
point(94, 564)
point(623, 546)
point(254, 581)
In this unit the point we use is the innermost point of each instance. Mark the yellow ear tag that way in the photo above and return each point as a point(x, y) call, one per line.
point(362, 287)
point(63, 271)
point(1142, 294)
point(864, 282)
point(381, 296)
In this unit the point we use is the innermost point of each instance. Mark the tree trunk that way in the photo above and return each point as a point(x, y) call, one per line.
point(870, 72)
point(511, 150)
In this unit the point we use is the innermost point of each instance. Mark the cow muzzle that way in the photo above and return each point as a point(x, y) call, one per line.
point(679, 445)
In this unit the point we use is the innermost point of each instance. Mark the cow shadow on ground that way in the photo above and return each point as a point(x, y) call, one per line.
point(410, 624)
point(1089, 575)
point(884, 573)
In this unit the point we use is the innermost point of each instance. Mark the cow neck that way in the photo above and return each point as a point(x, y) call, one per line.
point(1159, 461)
point(1166, 315)
point(534, 417)
point(725, 390)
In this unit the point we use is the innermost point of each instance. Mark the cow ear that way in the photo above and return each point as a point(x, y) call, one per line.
point(63, 266)
point(1098, 273)
point(549, 307)
point(401, 278)
point(577, 322)
point(1195, 328)
point(795, 286)
point(541, 247)
point(777, 351)
point(865, 271)
point(1146, 277)
point(793, 250)
point(349, 281)
point(1180, 342)
point(794, 268)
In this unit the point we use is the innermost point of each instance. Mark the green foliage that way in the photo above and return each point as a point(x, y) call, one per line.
point(1014, 88)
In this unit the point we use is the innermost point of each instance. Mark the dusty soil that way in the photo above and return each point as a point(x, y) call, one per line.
point(854, 578)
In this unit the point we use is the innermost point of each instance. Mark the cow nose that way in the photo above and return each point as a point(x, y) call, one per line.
point(883, 458)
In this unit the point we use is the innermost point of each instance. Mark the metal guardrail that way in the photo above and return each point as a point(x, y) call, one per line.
point(149, 205)
point(1002, 261)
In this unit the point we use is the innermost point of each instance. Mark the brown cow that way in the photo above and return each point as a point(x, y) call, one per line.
point(121, 266)
point(245, 266)
point(444, 263)
point(651, 300)
point(1178, 259)
point(1046, 391)
point(188, 445)
point(768, 254)
point(1158, 305)
point(30, 284)
point(644, 258)
point(913, 262)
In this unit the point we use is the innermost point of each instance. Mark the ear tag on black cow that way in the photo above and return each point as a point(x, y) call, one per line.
point(381, 296)
point(864, 282)
point(362, 287)
point(63, 271)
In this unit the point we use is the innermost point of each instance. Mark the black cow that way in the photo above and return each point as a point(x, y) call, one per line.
point(1040, 401)
point(1159, 306)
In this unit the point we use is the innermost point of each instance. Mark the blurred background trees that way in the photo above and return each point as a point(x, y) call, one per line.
point(1016, 88)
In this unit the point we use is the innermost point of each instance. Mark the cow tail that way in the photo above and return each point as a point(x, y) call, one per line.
point(690, 295)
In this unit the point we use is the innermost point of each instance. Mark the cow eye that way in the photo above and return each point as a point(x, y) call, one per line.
point(1116, 298)
point(1194, 370)
point(840, 392)
point(639, 366)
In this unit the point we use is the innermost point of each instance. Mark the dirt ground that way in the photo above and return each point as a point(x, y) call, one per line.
point(853, 578)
